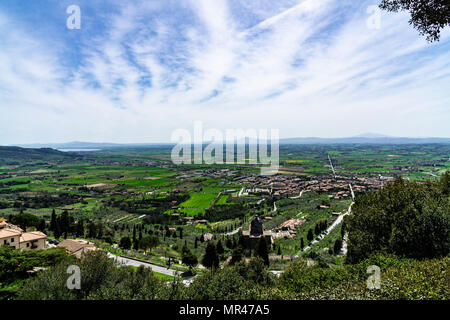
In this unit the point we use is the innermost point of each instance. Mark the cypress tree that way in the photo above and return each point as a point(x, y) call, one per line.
point(64, 223)
point(57, 231)
point(53, 221)
point(337, 246)
point(262, 251)
point(237, 255)
point(80, 229)
point(310, 235)
point(219, 247)
point(210, 259)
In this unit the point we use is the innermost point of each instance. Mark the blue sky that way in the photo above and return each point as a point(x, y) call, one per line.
point(138, 70)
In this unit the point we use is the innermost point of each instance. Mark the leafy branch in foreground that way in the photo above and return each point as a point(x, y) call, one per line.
point(427, 16)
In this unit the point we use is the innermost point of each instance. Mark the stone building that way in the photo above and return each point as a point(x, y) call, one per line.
point(250, 238)
point(16, 238)
point(77, 247)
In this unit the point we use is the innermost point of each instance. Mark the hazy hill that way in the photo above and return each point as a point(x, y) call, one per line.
point(92, 145)
point(365, 139)
point(13, 154)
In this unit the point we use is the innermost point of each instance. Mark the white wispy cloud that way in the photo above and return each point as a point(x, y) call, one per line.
point(309, 68)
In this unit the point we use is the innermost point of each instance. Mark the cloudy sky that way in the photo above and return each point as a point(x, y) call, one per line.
point(138, 70)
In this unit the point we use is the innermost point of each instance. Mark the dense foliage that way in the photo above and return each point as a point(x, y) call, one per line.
point(102, 279)
point(405, 218)
point(14, 265)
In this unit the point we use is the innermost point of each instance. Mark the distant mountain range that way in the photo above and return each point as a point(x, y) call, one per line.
point(366, 138)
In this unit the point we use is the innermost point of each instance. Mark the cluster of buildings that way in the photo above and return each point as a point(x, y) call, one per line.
point(13, 236)
point(280, 185)
point(211, 173)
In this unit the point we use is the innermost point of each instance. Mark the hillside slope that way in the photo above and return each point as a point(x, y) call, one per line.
point(15, 154)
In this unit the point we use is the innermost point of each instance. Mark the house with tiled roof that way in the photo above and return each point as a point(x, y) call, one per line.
point(10, 237)
point(77, 247)
point(16, 238)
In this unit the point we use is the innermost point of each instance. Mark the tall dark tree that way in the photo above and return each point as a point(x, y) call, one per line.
point(57, 231)
point(429, 17)
point(53, 221)
point(337, 246)
point(92, 230)
point(64, 223)
point(310, 235)
point(229, 243)
point(219, 247)
point(135, 241)
point(241, 242)
point(237, 255)
point(100, 230)
point(317, 229)
point(188, 258)
point(41, 226)
point(211, 259)
point(125, 243)
point(80, 229)
point(262, 251)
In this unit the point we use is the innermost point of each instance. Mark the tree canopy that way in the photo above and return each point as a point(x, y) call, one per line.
point(211, 259)
point(409, 219)
point(429, 17)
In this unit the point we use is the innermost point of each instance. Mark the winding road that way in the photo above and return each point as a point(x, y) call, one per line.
point(232, 232)
point(137, 263)
point(297, 197)
point(325, 233)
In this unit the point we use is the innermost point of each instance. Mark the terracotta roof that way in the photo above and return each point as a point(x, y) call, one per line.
point(33, 235)
point(6, 233)
point(73, 246)
point(292, 222)
point(6, 225)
